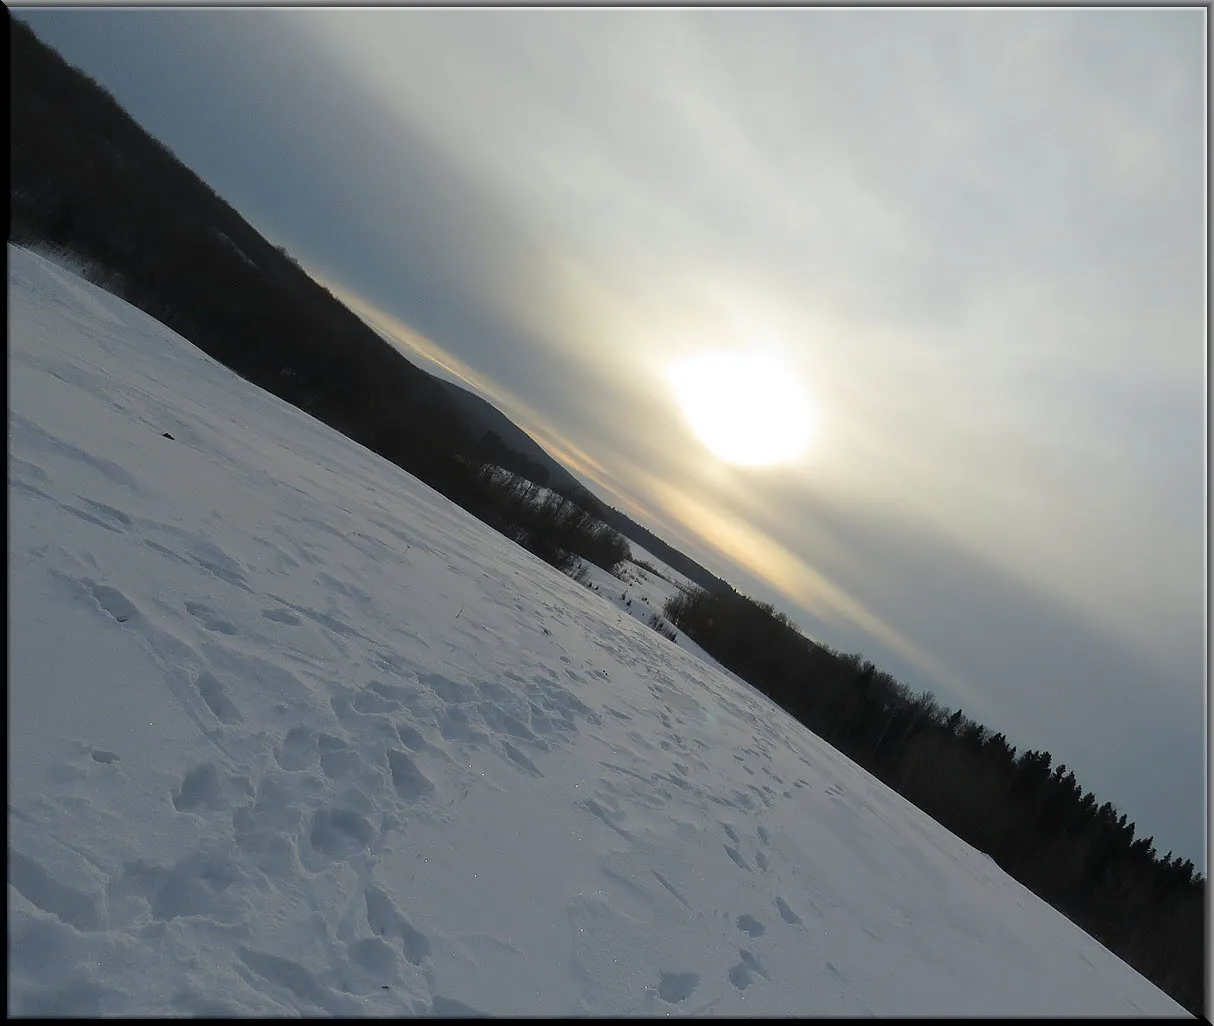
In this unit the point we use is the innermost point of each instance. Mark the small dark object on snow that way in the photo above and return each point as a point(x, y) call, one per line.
point(383, 986)
point(169, 437)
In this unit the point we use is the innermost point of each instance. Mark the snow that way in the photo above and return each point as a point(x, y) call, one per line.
point(291, 734)
point(642, 594)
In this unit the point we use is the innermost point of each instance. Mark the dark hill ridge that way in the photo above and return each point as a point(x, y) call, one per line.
point(87, 179)
point(533, 462)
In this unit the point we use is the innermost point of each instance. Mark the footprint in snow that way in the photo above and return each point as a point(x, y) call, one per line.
point(212, 692)
point(786, 913)
point(520, 759)
point(202, 883)
point(455, 726)
point(372, 699)
point(297, 749)
point(339, 833)
point(736, 855)
point(203, 788)
point(209, 618)
point(750, 925)
point(376, 956)
point(299, 981)
point(411, 737)
point(410, 782)
point(282, 616)
point(386, 921)
point(112, 601)
point(676, 987)
point(450, 691)
point(742, 974)
point(337, 758)
point(39, 887)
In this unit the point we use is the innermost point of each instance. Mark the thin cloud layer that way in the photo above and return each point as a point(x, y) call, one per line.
point(975, 237)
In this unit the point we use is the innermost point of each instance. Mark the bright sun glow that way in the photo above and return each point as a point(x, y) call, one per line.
point(746, 409)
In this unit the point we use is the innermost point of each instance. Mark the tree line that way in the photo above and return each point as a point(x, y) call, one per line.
point(87, 180)
point(545, 522)
point(1033, 818)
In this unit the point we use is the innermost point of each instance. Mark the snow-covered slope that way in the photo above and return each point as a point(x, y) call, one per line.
point(642, 594)
point(289, 733)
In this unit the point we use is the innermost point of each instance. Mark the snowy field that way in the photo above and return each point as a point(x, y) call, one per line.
point(641, 593)
point(291, 734)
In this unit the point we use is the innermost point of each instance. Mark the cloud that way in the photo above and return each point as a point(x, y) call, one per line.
point(972, 235)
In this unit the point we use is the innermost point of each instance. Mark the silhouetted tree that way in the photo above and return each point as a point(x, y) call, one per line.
point(1036, 821)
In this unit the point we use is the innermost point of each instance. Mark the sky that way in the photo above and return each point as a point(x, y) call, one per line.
point(973, 239)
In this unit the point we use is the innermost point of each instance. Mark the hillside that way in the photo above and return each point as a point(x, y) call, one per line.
point(664, 551)
point(536, 465)
point(87, 179)
point(290, 733)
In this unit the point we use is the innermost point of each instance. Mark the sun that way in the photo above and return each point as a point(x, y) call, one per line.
point(747, 409)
